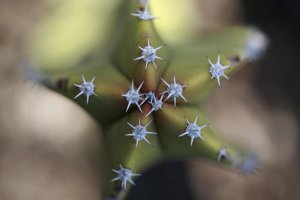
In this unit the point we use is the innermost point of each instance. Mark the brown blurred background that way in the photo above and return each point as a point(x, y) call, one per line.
point(47, 150)
point(53, 152)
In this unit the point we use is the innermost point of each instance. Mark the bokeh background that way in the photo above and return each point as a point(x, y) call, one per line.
point(50, 148)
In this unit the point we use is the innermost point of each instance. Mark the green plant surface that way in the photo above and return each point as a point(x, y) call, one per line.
point(114, 68)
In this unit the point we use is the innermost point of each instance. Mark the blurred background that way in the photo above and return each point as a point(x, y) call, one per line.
point(50, 148)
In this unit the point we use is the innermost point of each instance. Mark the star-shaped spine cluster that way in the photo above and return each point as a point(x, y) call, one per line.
point(139, 132)
point(148, 97)
point(144, 14)
point(217, 70)
point(149, 54)
point(193, 130)
point(174, 90)
point(223, 154)
point(124, 175)
point(86, 88)
point(133, 96)
point(250, 164)
point(156, 104)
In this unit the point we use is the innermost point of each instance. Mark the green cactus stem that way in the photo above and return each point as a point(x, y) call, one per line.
point(114, 69)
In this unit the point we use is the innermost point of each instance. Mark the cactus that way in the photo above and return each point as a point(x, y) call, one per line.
point(150, 98)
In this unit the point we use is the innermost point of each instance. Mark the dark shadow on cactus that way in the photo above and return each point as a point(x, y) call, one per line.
point(165, 181)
